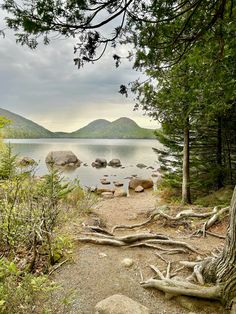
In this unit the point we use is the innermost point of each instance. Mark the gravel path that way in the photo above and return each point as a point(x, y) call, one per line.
point(97, 271)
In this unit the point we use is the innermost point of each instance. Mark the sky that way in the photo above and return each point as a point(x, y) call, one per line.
point(45, 86)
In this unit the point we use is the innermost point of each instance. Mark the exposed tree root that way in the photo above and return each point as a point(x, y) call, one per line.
point(215, 235)
point(132, 226)
point(185, 214)
point(176, 288)
point(173, 242)
point(153, 215)
point(214, 215)
point(99, 230)
point(141, 239)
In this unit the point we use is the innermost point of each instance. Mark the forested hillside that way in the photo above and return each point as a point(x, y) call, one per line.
point(120, 128)
point(20, 127)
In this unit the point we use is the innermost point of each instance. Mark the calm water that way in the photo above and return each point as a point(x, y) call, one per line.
point(130, 152)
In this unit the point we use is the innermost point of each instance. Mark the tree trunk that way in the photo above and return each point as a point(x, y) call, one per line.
point(219, 154)
point(186, 199)
point(222, 270)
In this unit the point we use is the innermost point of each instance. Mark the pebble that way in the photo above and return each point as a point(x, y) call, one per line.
point(127, 262)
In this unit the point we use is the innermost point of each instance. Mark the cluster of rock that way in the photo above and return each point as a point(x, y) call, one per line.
point(68, 158)
point(102, 163)
point(136, 184)
point(110, 193)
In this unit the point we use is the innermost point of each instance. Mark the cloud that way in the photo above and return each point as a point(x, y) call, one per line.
point(44, 85)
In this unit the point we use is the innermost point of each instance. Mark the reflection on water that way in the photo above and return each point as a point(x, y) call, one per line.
point(130, 152)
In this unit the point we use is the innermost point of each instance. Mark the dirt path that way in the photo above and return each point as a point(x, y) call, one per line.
point(97, 271)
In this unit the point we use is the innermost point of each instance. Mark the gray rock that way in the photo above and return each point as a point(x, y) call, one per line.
point(93, 189)
point(62, 158)
point(99, 163)
point(120, 304)
point(145, 183)
point(141, 166)
point(118, 183)
point(155, 175)
point(26, 161)
point(139, 189)
point(105, 181)
point(114, 163)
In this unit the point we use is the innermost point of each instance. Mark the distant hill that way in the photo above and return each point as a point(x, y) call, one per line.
point(120, 128)
point(22, 128)
point(123, 128)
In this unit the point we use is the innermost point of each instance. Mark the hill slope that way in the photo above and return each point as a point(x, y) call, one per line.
point(123, 128)
point(23, 128)
point(120, 128)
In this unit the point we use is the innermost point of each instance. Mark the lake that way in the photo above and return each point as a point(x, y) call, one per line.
point(130, 152)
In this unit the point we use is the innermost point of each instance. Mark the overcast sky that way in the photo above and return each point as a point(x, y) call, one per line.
point(45, 86)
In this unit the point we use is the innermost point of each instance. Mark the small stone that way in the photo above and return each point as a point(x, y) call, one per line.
point(127, 262)
point(120, 193)
point(139, 189)
point(102, 255)
point(104, 181)
point(93, 189)
point(154, 175)
point(141, 166)
point(118, 183)
point(107, 195)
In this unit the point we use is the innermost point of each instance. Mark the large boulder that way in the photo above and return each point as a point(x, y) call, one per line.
point(99, 163)
point(120, 304)
point(114, 163)
point(62, 158)
point(145, 183)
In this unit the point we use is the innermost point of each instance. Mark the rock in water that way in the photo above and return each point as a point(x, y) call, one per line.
point(62, 158)
point(141, 166)
point(120, 304)
point(26, 161)
point(99, 163)
point(114, 163)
